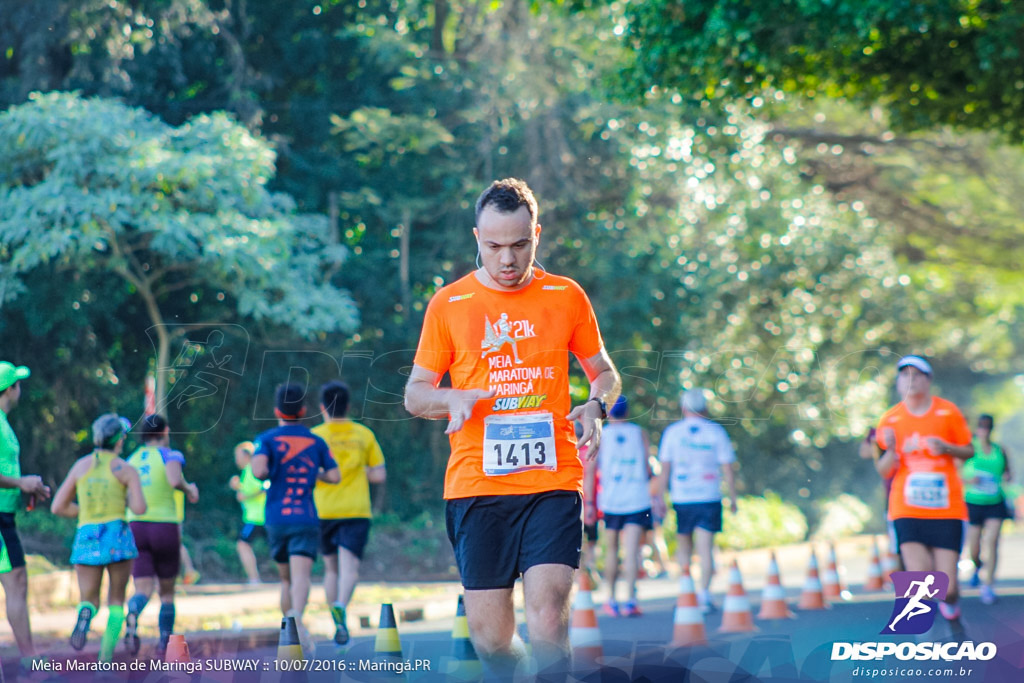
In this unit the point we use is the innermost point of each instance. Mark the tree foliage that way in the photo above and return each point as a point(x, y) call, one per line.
point(929, 63)
point(94, 185)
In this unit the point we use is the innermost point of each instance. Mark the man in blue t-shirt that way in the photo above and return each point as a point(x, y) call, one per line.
point(292, 458)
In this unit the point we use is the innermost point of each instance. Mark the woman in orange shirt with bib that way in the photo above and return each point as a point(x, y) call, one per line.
point(919, 440)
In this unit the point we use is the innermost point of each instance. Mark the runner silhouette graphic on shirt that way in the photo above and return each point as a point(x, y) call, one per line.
point(914, 606)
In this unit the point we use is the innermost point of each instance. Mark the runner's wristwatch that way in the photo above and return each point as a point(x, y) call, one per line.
point(601, 404)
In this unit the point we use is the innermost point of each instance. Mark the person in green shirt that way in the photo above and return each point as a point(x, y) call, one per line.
point(12, 485)
point(983, 475)
point(251, 494)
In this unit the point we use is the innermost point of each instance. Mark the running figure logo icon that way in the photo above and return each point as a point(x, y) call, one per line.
point(500, 333)
point(917, 596)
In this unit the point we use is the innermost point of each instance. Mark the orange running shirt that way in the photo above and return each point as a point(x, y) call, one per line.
point(516, 343)
point(925, 485)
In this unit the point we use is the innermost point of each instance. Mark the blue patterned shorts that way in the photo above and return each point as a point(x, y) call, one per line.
point(98, 545)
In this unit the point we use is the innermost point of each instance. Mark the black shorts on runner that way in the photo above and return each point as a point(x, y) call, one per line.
point(707, 516)
point(977, 514)
point(350, 534)
point(159, 545)
point(293, 539)
point(590, 532)
point(10, 535)
point(250, 531)
point(497, 538)
point(642, 519)
point(934, 533)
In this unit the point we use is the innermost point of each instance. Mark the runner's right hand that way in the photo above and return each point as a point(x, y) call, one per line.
point(33, 484)
point(460, 406)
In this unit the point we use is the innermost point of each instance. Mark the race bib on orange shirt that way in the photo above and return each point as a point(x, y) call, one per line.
point(517, 443)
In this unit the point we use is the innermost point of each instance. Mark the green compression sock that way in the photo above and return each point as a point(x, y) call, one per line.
point(115, 620)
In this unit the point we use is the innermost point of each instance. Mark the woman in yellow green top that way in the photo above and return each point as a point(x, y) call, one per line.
point(983, 476)
point(104, 485)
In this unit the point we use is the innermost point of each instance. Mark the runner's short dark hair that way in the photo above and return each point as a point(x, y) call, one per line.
point(334, 398)
point(507, 196)
point(152, 426)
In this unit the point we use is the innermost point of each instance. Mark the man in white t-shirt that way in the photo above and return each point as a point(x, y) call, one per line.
point(696, 455)
point(625, 502)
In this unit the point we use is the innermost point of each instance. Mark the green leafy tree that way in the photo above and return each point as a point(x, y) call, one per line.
point(929, 63)
point(94, 185)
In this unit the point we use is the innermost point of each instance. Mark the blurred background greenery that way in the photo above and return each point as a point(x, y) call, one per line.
point(771, 203)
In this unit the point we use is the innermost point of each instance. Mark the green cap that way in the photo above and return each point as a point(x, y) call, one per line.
point(9, 374)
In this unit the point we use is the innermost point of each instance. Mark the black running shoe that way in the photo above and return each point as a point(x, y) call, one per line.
point(131, 636)
point(81, 632)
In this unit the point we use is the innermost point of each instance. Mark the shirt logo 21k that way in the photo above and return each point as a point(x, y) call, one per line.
point(917, 596)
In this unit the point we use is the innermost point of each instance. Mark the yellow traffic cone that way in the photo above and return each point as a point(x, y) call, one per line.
point(466, 664)
point(288, 646)
point(387, 645)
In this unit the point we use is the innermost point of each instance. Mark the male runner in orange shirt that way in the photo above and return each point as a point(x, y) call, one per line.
point(514, 480)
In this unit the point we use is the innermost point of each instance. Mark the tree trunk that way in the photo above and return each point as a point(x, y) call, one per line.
point(403, 261)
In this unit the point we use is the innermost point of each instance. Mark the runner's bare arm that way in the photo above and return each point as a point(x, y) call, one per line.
point(1007, 474)
point(260, 466)
point(176, 478)
point(940, 446)
point(423, 398)
point(888, 459)
point(729, 474)
point(376, 475)
point(605, 385)
point(63, 503)
point(129, 476)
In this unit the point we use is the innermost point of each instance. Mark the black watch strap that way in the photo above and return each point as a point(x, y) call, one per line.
point(602, 405)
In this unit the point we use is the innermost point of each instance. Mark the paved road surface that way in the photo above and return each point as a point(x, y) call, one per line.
point(635, 648)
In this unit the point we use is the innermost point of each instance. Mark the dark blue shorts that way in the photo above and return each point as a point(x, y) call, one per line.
point(642, 519)
point(707, 516)
point(497, 538)
point(292, 539)
point(250, 531)
point(977, 514)
point(350, 534)
point(934, 533)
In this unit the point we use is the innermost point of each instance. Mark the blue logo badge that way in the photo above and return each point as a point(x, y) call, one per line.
point(917, 596)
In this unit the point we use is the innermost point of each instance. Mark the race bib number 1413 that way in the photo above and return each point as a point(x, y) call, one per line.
point(516, 443)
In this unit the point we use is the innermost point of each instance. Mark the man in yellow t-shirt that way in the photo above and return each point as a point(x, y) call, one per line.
point(344, 508)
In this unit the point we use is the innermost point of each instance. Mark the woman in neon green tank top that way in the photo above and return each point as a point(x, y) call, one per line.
point(983, 475)
point(103, 485)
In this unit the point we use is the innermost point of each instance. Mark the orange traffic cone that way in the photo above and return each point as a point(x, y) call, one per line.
point(874, 581)
point(812, 597)
point(736, 615)
point(177, 650)
point(832, 585)
point(773, 598)
point(891, 564)
point(688, 628)
point(584, 635)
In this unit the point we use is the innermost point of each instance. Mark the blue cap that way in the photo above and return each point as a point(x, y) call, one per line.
point(620, 409)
